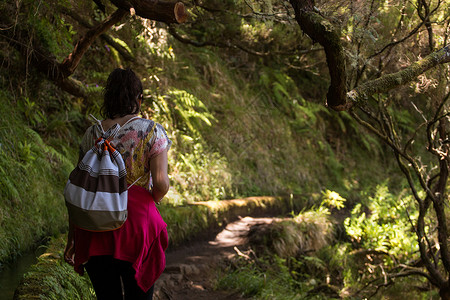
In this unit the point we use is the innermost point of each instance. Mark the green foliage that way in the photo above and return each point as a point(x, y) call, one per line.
point(251, 280)
point(51, 30)
point(383, 240)
point(32, 113)
point(241, 121)
point(200, 176)
point(189, 110)
point(31, 176)
point(184, 222)
point(52, 278)
point(385, 226)
point(332, 199)
point(332, 269)
point(308, 231)
point(197, 172)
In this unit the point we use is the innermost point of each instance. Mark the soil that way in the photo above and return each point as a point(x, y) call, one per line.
point(192, 271)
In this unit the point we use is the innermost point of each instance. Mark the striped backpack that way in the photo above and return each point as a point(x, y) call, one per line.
point(96, 193)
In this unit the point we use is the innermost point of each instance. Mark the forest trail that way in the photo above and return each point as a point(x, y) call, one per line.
point(192, 270)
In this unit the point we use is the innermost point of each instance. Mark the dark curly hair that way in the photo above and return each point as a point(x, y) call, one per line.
point(122, 92)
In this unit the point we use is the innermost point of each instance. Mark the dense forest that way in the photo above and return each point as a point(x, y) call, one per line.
point(342, 102)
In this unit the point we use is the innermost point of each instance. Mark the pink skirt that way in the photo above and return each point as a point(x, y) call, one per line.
point(142, 240)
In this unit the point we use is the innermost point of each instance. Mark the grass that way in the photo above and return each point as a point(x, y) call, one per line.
point(31, 176)
point(260, 284)
point(53, 279)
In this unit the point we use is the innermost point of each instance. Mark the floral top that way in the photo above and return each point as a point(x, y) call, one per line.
point(138, 140)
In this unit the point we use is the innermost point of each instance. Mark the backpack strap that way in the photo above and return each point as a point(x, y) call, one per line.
point(130, 119)
point(99, 123)
point(134, 182)
point(111, 132)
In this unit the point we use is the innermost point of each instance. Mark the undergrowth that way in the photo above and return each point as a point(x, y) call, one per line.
point(280, 262)
point(31, 175)
point(308, 263)
point(53, 279)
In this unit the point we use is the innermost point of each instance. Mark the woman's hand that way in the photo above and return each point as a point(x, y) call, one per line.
point(69, 252)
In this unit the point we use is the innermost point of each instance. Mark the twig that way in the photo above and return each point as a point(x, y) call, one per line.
point(405, 38)
point(419, 111)
point(241, 254)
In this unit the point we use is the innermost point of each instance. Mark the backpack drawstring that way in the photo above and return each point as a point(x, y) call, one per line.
point(104, 142)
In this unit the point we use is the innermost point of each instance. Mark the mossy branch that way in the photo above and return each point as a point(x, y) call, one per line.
point(390, 81)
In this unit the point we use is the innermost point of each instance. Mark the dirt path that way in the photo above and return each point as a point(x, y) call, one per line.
point(191, 271)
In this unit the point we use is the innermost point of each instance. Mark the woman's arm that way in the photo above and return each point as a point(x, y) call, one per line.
point(158, 169)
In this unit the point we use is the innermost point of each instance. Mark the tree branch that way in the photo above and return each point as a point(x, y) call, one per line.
point(232, 45)
point(35, 55)
point(321, 30)
point(29, 47)
point(392, 44)
point(437, 118)
point(423, 205)
point(438, 201)
point(390, 81)
point(426, 20)
point(412, 271)
point(414, 31)
point(108, 39)
point(164, 11)
point(360, 70)
point(71, 62)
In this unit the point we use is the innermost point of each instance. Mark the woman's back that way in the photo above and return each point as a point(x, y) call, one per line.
point(138, 140)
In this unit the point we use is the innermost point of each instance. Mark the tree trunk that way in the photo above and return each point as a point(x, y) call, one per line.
point(321, 30)
point(164, 11)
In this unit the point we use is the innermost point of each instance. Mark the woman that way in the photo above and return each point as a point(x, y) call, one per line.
point(132, 256)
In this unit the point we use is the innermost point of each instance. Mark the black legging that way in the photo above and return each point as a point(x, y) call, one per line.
point(106, 274)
